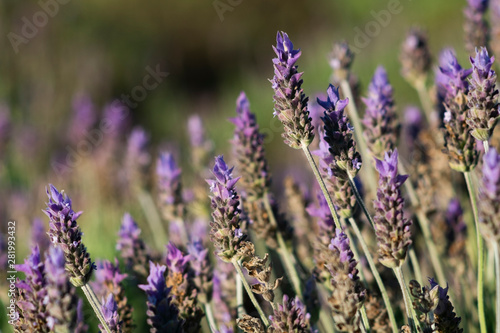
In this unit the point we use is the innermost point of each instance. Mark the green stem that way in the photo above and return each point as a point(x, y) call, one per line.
point(496, 250)
point(364, 318)
point(480, 254)
point(96, 305)
point(424, 226)
point(283, 249)
point(322, 185)
point(360, 200)
point(406, 297)
point(358, 133)
point(240, 308)
point(376, 275)
point(250, 293)
point(210, 317)
point(153, 218)
point(415, 264)
point(486, 146)
point(425, 100)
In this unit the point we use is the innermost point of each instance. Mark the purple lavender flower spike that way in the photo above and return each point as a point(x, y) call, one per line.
point(338, 134)
point(61, 299)
point(176, 260)
point(489, 203)
point(348, 294)
point(380, 120)
point(110, 311)
point(65, 233)
point(83, 119)
point(203, 274)
point(137, 158)
point(109, 280)
point(132, 248)
point(453, 88)
point(415, 57)
point(32, 290)
point(196, 131)
point(476, 29)
point(225, 211)
point(391, 227)
point(170, 196)
point(248, 145)
point(445, 319)
point(39, 235)
point(162, 315)
point(201, 147)
point(290, 316)
point(482, 98)
point(290, 102)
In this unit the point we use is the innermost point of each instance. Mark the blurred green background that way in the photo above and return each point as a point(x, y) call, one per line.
point(211, 49)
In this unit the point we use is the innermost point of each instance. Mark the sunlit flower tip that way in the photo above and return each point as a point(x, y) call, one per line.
point(176, 260)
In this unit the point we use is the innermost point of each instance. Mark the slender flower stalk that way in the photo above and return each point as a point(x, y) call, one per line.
point(65, 233)
point(480, 253)
point(489, 212)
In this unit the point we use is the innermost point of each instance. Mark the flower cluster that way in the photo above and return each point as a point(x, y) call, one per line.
point(225, 229)
point(338, 134)
point(391, 227)
point(290, 102)
point(482, 98)
point(65, 233)
point(290, 316)
point(452, 83)
point(380, 120)
point(475, 26)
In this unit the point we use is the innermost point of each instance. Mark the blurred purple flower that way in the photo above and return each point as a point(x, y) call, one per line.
point(176, 260)
point(489, 195)
point(162, 315)
point(110, 311)
point(137, 158)
point(476, 29)
point(83, 118)
point(380, 120)
point(39, 235)
point(290, 316)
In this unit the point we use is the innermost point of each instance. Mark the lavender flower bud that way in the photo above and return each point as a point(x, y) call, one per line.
point(415, 56)
point(338, 134)
point(290, 316)
point(348, 294)
point(338, 187)
point(31, 306)
point(290, 102)
point(184, 292)
point(137, 159)
point(109, 309)
point(489, 202)
point(249, 151)
point(109, 280)
point(225, 229)
point(482, 98)
point(61, 299)
point(39, 235)
point(169, 187)
point(202, 269)
point(380, 120)
point(132, 248)
point(460, 146)
point(162, 314)
point(65, 233)
point(391, 227)
point(476, 27)
point(83, 119)
point(201, 147)
point(435, 300)
point(341, 59)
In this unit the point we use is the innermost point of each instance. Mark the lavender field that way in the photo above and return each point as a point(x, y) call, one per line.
point(230, 166)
